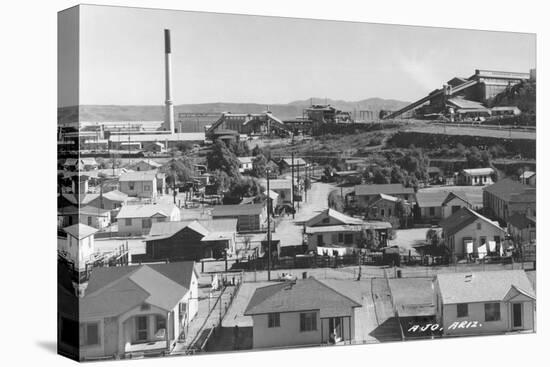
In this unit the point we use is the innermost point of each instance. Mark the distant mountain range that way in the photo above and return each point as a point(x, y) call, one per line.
point(156, 113)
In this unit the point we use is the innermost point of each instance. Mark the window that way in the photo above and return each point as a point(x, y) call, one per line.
point(131, 186)
point(141, 328)
point(340, 237)
point(160, 323)
point(382, 212)
point(90, 334)
point(334, 238)
point(389, 212)
point(432, 211)
point(462, 310)
point(308, 321)
point(89, 221)
point(273, 320)
point(145, 307)
point(128, 221)
point(326, 220)
point(492, 311)
point(146, 223)
point(478, 226)
point(455, 208)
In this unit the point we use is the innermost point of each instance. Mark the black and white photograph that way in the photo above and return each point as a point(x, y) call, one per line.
point(230, 183)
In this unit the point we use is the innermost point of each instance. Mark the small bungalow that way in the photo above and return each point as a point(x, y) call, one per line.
point(139, 184)
point(303, 312)
point(250, 217)
point(363, 195)
point(437, 205)
point(191, 240)
point(137, 219)
point(491, 302)
point(470, 235)
point(146, 165)
point(475, 177)
point(285, 165)
point(332, 229)
point(245, 164)
point(528, 178)
point(78, 248)
point(89, 215)
point(135, 311)
point(283, 188)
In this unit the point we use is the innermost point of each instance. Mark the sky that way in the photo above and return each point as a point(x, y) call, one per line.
point(270, 60)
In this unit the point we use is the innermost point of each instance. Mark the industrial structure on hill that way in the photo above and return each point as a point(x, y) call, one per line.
point(465, 97)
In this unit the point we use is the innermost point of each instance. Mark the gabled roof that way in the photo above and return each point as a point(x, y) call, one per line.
point(145, 210)
point(245, 160)
point(81, 199)
point(428, 199)
point(506, 188)
point(138, 176)
point(297, 161)
point(112, 291)
point(336, 215)
point(115, 195)
point(485, 286)
point(207, 228)
point(527, 174)
point(277, 184)
point(462, 218)
point(479, 171)
point(466, 103)
point(303, 295)
point(464, 196)
point(235, 210)
point(149, 162)
point(389, 189)
point(84, 210)
point(80, 231)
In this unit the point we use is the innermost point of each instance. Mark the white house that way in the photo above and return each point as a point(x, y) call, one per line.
point(140, 184)
point(245, 164)
point(490, 302)
point(79, 247)
point(133, 311)
point(146, 165)
point(137, 219)
point(300, 313)
point(469, 235)
point(475, 177)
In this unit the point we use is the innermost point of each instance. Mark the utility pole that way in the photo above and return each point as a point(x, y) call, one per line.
point(292, 185)
point(268, 229)
point(298, 181)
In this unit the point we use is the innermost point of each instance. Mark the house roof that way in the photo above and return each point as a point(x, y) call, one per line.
point(84, 210)
point(149, 162)
point(507, 188)
point(157, 137)
point(245, 160)
point(302, 295)
point(235, 210)
point(462, 218)
point(464, 196)
point(427, 199)
point(389, 189)
point(527, 175)
point(115, 290)
point(336, 228)
point(297, 161)
point(138, 176)
point(145, 210)
point(210, 228)
point(331, 213)
point(521, 221)
point(81, 199)
point(483, 286)
point(80, 231)
point(115, 195)
point(479, 171)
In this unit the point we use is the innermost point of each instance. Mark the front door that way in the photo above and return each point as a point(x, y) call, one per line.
point(517, 315)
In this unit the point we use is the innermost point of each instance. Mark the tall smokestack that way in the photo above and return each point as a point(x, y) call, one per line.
point(169, 112)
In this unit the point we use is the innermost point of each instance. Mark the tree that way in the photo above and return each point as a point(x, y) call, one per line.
point(244, 187)
point(335, 201)
point(220, 157)
point(433, 237)
point(397, 175)
point(257, 151)
point(379, 177)
point(402, 211)
point(259, 165)
point(178, 170)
